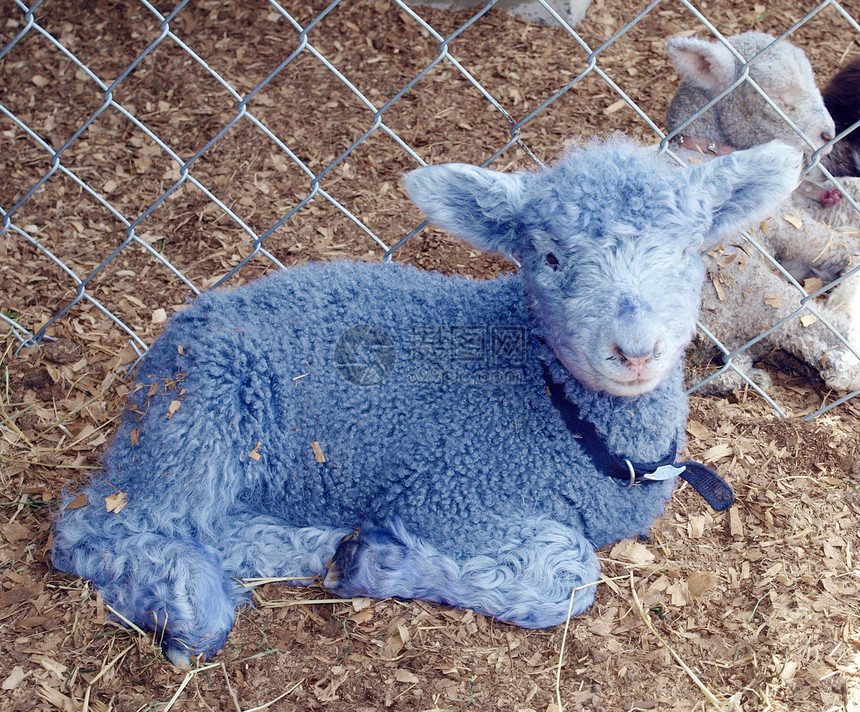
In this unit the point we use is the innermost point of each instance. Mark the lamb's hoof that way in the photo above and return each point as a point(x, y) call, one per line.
point(842, 372)
point(342, 562)
point(179, 656)
point(374, 562)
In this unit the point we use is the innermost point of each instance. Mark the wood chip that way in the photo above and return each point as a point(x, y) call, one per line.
point(51, 665)
point(406, 676)
point(632, 551)
point(773, 299)
point(700, 582)
point(55, 697)
point(812, 284)
point(362, 617)
point(15, 678)
point(696, 527)
point(173, 407)
point(393, 645)
point(255, 453)
point(736, 528)
point(792, 220)
point(615, 106)
point(788, 671)
point(116, 502)
point(678, 592)
point(78, 502)
point(318, 453)
point(697, 430)
point(773, 570)
point(717, 452)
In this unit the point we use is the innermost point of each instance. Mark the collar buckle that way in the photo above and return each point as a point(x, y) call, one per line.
point(664, 472)
point(632, 472)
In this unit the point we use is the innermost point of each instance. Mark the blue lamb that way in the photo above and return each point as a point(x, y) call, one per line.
point(407, 434)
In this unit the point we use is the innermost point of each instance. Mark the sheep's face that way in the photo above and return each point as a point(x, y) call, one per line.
point(743, 118)
point(613, 269)
point(785, 75)
point(609, 242)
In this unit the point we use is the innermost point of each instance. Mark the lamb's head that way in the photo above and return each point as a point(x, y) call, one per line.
point(609, 241)
point(743, 118)
point(842, 99)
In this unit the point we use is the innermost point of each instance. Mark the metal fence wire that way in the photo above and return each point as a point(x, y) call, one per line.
point(146, 157)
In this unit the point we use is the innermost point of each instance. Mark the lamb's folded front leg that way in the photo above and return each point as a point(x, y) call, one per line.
point(818, 346)
point(814, 248)
point(764, 298)
point(262, 546)
point(527, 581)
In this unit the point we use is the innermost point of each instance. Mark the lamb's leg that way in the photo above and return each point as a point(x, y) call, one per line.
point(762, 298)
point(179, 586)
point(175, 587)
point(261, 546)
point(528, 581)
point(730, 380)
point(818, 346)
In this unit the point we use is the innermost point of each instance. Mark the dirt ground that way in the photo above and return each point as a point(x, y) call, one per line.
point(754, 609)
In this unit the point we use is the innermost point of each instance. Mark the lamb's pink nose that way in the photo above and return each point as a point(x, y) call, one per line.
point(638, 361)
point(637, 364)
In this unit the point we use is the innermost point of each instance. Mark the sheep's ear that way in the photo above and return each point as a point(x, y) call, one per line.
point(707, 65)
point(477, 204)
point(746, 186)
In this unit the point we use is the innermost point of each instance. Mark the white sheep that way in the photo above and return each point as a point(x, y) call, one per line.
point(401, 433)
point(807, 236)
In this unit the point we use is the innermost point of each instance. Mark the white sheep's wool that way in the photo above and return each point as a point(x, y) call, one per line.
point(390, 430)
point(744, 296)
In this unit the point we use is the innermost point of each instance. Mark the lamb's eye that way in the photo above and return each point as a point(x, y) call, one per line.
point(552, 260)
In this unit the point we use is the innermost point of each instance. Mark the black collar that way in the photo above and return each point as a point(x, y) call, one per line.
point(703, 479)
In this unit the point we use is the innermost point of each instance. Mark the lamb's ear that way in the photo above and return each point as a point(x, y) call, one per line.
point(707, 65)
point(745, 187)
point(477, 204)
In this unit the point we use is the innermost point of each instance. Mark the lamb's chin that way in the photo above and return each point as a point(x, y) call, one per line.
point(629, 385)
point(631, 389)
point(627, 388)
point(613, 384)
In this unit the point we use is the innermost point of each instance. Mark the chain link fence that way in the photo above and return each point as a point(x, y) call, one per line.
point(153, 150)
